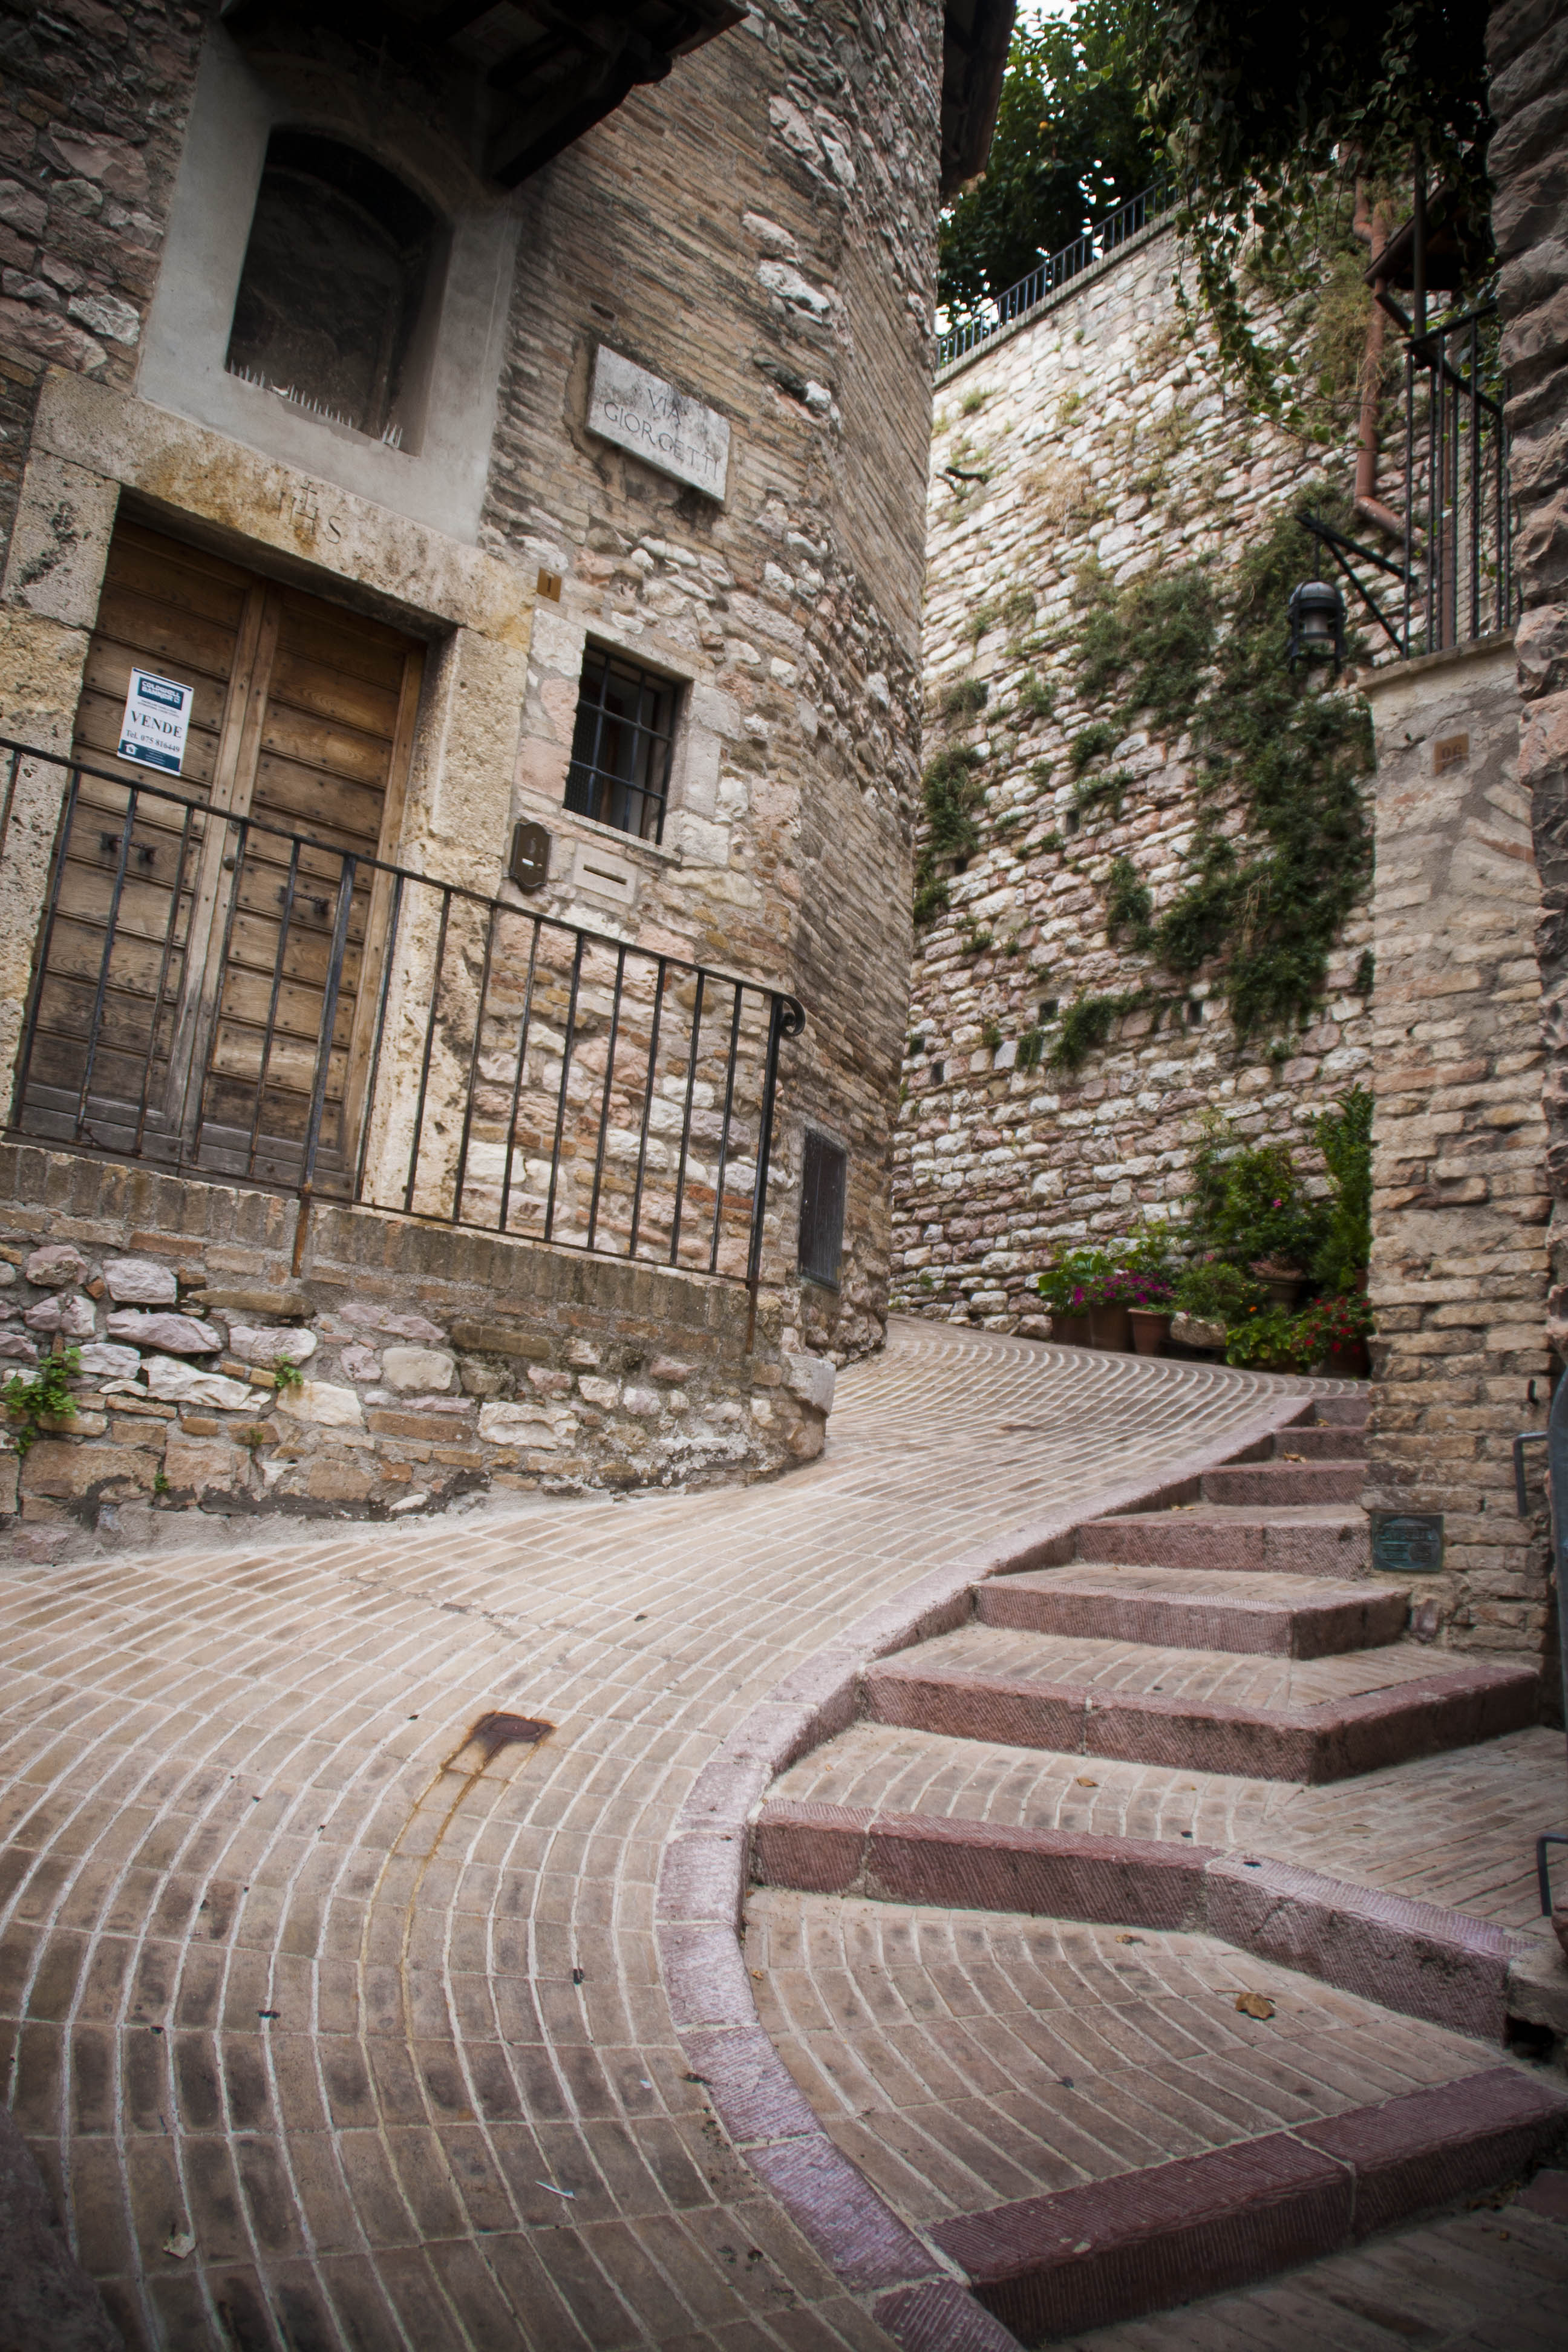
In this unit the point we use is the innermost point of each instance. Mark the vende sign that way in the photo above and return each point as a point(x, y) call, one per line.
point(157, 720)
point(662, 427)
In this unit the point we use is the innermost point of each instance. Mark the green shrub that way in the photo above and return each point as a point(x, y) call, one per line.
point(965, 697)
point(1128, 905)
point(46, 1397)
point(1343, 1135)
point(1267, 1339)
point(1251, 1205)
point(1215, 1291)
point(1093, 744)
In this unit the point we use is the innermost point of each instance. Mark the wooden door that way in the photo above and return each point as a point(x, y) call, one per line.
point(181, 1004)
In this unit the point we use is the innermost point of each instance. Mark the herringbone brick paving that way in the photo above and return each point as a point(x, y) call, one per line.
point(288, 1968)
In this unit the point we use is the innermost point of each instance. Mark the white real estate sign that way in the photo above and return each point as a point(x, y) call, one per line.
point(157, 720)
point(662, 427)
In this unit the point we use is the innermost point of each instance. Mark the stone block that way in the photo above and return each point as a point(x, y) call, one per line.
point(73, 1319)
point(411, 1370)
point(139, 1282)
point(64, 1470)
point(177, 1335)
point(323, 1402)
point(810, 1380)
point(176, 1383)
point(288, 1345)
point(500, 1339)
point(417, 1328)
point(517, 1424)
point(205, 1465)
point(56, 1266)
point(113, 1362)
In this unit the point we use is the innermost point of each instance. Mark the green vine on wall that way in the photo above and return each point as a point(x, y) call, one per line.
point(1183, 651)
point(951, 794)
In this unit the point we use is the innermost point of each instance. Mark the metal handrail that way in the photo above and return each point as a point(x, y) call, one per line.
point(1103, 237)
point(1455, 580)
point(223, 997)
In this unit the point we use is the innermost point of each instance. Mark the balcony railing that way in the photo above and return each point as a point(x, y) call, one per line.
point(217, 996)
point(1055, 272)
point(1453, 580)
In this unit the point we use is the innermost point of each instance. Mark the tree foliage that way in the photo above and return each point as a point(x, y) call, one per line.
point(1070, 145)
point(1264, 103)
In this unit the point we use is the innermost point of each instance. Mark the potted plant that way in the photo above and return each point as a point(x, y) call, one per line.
point(1332, 1336)
point(1210, 1295)
point(1064, 1289)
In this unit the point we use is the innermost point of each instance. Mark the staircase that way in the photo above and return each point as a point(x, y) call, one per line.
point(1103, 2026)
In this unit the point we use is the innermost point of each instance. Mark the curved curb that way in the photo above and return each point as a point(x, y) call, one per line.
point(924, 2302)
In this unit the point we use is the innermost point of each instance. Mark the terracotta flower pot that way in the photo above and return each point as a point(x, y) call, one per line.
point(1072, 1330)
point(1348, 1363)
point(1150, 1326)
point(1283, 1285)
point(1111, 1327)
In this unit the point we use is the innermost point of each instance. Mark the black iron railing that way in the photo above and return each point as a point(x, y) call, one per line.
point(222, 997)
point(1453, 580)
point(1055, 272)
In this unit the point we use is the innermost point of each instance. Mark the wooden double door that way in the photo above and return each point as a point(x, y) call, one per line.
point(187, 961)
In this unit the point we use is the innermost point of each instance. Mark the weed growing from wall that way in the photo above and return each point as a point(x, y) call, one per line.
point(951, 794)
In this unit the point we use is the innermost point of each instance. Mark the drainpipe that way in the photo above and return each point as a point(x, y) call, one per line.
point(1373, 229)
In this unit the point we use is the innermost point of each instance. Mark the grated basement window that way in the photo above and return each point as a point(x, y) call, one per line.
point(621, 749)
point(824, 1173)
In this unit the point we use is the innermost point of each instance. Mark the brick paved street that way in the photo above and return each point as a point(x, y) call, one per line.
point(370, 2009)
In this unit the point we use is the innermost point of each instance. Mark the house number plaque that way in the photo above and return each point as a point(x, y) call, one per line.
point(1407, 1543)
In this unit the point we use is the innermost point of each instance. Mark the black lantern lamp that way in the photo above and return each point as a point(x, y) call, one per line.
point(1317, 624)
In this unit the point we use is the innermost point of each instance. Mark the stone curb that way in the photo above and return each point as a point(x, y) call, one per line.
point(1413, 1957)
point(1116, 2249)
point(701, 1889)
point(1333, 1741)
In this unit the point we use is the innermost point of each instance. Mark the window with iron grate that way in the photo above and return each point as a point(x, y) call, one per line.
point(619, 773)
point(824, 1180)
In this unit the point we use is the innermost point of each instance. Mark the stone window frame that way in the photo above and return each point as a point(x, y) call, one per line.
point(678, 689)
point(184, 343)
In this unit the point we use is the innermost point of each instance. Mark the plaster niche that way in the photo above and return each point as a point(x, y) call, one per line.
point(396, 402)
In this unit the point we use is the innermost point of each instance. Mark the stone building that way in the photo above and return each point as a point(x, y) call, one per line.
point(459, 667)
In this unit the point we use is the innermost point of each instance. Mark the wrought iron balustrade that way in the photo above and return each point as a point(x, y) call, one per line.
point(1453, 580)
point(219, 997)
point(1105, 237)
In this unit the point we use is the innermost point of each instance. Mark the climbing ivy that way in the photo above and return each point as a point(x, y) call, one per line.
point(1184, 650)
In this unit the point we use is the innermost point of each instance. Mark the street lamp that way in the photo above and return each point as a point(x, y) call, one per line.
point(1317, 624)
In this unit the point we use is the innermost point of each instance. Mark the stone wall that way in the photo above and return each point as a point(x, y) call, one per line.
point(1458, 1266)
point(1094, 432)
point(1527, 43)
point(432, 1364)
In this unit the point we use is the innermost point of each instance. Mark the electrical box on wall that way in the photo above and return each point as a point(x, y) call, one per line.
point(529, 864)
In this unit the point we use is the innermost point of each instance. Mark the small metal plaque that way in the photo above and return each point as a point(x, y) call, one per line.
point(1407, 1543)
point(529, 865)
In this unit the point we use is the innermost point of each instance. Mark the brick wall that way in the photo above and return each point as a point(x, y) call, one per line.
point(1458, 1265)
point(1102, 436)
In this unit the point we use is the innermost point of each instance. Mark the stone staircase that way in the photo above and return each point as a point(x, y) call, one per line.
point(1219, 1658)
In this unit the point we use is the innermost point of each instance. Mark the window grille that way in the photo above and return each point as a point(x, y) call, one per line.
point(621, 747)
point(823, 1182)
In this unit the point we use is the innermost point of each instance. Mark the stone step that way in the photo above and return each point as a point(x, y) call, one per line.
point(1283, 1616)
point(1417, 1959)
point(1047, 2266)
point(1271, 1483)
point(1454, 1830)
point(1304, 1443)
point(1311, 1540)
point(1267, 1717)
point(1339, 1411)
